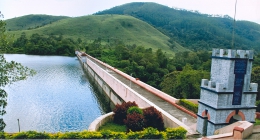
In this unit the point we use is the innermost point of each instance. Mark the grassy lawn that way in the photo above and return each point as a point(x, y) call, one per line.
point(113, 127)
point(257, 122)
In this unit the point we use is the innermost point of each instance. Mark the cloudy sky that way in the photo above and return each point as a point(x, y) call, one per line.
point(246, 9)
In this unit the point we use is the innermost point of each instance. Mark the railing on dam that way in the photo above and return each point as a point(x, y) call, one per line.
point(111, 86)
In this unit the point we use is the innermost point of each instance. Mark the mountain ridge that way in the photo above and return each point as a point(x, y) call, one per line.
point(31, 21)
point(109, 28)
point(193, 30)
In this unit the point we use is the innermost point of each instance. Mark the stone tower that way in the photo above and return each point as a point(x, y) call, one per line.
point(228, 96)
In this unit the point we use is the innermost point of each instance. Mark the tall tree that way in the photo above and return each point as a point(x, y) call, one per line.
point(184, 84)
point(9, 72)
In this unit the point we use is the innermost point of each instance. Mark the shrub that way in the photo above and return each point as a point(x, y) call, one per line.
point(147, 133)
point(189, 105)
point(176, 133)
point(121, 111)
point(152, 133)
point(257, 103)
point(257, 122)
point(90, 135)
point(135, 109)
point(31, 135)
point(21, 135)
point(2, 135)
point(69, 135)
point(133, 135)
point(135, 122)
point(113, 135)
point(153, 118)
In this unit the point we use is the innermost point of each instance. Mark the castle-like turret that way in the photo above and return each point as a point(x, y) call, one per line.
point(228, 96)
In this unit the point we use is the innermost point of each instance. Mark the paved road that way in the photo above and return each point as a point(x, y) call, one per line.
point(172, 110)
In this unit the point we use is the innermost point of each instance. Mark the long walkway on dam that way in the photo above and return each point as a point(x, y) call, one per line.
point(166, 106)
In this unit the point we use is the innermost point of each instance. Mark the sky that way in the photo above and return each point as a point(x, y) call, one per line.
point(245, 10)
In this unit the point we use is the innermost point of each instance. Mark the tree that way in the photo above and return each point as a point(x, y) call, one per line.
point(184, 84)
point(169, 84)
point(161, 58)
point(21, 41)
point(3, 40)
point(9, 72)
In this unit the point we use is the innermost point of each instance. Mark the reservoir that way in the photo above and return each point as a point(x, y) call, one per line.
point(60, 97)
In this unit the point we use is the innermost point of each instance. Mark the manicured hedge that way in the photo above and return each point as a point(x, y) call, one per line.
point(147, 133)
point(189, 105)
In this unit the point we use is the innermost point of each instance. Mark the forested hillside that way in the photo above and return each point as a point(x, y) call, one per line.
point(108, 28)
point(193, 30)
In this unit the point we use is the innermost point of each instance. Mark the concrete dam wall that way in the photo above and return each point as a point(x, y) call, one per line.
point(119, 92)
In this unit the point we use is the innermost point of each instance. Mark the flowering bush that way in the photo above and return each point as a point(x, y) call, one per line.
point(147, 133)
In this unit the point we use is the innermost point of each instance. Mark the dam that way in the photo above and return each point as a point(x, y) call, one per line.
point(121, 87)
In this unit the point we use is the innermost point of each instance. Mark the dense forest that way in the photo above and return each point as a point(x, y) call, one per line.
point(193, 30)
point(41, 45)
point(179, 76)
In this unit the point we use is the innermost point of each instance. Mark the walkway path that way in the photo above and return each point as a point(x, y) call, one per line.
point(166, 106)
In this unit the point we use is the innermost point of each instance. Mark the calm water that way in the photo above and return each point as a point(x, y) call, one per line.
point(58, 98)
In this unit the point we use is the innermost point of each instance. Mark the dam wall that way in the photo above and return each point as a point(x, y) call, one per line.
point(119, 92)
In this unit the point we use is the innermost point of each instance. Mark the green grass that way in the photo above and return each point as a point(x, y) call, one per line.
point(109, 28)
point(30, 21)
point(257, 122)
point(113, 127)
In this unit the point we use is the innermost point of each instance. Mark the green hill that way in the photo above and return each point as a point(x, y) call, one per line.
point(109, 28)
point(193, 30)
point(31, 22)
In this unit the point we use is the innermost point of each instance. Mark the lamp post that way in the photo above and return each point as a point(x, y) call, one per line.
point(131, 80)
point(18, 124)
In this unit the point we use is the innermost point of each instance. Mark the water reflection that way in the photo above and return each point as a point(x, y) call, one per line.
point(101, 97)
point(60, 97)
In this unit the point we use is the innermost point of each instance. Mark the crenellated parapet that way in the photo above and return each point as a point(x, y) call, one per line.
point(220, 87)
point(226, 63)
point(229, 53)
point(229, 94)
